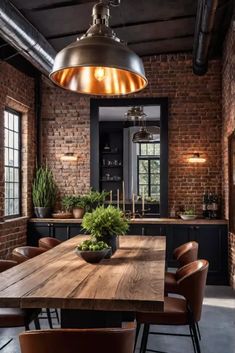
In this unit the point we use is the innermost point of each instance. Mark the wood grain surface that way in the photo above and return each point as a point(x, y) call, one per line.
point(133, 279)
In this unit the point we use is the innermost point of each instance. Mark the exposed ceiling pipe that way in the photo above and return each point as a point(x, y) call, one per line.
point(28, 41)
point(203, 32)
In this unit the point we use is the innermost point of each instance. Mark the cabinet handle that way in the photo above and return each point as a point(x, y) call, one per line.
point(142, 231)
point(196, 227)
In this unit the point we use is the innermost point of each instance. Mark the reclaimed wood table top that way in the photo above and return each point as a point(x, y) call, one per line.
point(133, 279)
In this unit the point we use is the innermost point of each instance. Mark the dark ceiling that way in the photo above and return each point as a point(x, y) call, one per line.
point(148, 26)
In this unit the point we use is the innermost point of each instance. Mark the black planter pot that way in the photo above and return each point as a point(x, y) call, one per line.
point(42, 212)
point(113, 242)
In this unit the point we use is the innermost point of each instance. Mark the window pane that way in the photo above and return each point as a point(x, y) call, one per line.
point(16, 207)
point(145, 187)
point(11, 206)
point(155, 166)
point(6, 207)
point(6, 138)
point(11, 139)
point(11, 121)
point(6, 161)
point(155, 179)
point(16, 158)
point(16, 190)
point(143, 166)
point(142, 149)
point(16, 123)
point(11, 174)
point(11, 154)
point(6, 119)
point(155, 190)
point(16, 141)
point(143, 178)
point(16, 175)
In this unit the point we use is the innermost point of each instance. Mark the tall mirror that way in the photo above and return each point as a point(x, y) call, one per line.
point(129, 152)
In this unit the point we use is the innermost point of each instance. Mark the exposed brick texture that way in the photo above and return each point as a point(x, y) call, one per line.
point(228, 104)
point(194, 126)
point(17, 92)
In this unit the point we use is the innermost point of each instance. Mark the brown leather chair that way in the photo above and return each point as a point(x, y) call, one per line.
point(115, 340)
point(6, 264)
point(48, 243)
point(184, 254)
point(185, 310)
point(14, 317)
point(24, 253)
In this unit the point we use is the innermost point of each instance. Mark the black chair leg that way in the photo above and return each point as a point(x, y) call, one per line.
point(49, 318)
point(136, 334)
point(192, 337)
point(37, 324)
point(26, 325)
point(198, 331)
point(197, 344)
point(144, 340)
point(57, 316)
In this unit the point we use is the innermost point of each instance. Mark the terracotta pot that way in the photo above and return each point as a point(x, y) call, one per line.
point(78, 212)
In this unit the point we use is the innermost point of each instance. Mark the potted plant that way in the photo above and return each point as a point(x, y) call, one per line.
point(94, 199)
point(105, 224)
point(43, 192)
point(78, 205)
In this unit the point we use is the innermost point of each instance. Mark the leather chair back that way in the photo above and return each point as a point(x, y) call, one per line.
point(48, 243)
point(116, 340)
point(192, 281)
point(6, 264)
point(186, 253)
point(24, 253)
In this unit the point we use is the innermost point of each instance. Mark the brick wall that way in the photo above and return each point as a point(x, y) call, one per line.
point(17, 92)
point(194, 126)
point(228, 108)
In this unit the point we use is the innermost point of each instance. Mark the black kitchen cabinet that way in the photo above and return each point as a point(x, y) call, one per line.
point(212, 239)
point(61, 231)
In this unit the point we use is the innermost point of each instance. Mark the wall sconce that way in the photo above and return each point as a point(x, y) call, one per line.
point(69, 157)
point(196, 158)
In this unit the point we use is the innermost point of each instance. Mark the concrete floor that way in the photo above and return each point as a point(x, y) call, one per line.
point(217, 328)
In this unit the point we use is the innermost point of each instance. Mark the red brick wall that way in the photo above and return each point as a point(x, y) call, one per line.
point(194, 126)
point(17, 92)
point(228, 106)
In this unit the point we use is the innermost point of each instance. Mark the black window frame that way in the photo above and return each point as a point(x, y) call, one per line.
point(149, 159)
point(19, 167)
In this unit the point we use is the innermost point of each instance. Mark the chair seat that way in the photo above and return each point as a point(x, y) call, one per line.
point(171, 285)
point(14, 317)
point(175, 313)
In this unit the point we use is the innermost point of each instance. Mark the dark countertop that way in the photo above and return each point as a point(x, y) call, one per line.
point(137, 221)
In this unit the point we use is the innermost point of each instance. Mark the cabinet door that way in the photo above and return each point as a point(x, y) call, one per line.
point(213, 247)
point(36, 231)
point(176, 236)
point(147, 229)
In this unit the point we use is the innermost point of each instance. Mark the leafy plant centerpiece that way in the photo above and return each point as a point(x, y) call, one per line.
point(43, 192)
point(105, 224)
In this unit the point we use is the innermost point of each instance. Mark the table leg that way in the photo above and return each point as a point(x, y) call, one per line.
point(73, 318)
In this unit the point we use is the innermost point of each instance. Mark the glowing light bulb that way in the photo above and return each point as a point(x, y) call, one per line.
point(99, 73)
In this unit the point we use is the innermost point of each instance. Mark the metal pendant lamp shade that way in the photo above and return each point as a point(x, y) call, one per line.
point(142, 136)
point(99, 63)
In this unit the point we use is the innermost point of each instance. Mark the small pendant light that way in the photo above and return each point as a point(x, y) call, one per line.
point(99, 63)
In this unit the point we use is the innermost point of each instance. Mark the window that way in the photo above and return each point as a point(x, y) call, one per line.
point(12, 163)
point(148, 170)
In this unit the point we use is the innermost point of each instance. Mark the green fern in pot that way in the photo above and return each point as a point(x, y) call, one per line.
point(43, 192)
point(105, 224)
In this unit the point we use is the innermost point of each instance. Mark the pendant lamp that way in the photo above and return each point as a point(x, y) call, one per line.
point(99, 63)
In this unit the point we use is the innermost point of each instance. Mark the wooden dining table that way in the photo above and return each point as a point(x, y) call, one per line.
point(103, 294)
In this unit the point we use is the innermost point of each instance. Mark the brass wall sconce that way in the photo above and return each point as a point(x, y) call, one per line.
point(196, 158)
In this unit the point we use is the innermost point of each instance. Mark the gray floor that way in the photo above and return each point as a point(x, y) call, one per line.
point(217, 328)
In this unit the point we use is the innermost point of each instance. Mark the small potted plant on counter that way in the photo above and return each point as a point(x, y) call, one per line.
point(43, 192)
point(94, 199)
point(189, 214)
point(78, 206)
point(66, 203)
point(105, 224)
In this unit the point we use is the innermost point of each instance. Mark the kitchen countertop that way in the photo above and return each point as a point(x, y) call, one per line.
point(137, 221)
